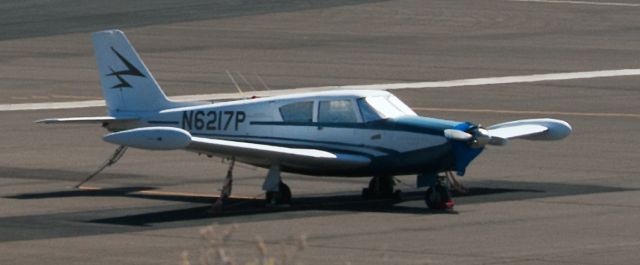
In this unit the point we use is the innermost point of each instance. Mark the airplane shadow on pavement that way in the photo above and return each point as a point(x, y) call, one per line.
point(410, 202)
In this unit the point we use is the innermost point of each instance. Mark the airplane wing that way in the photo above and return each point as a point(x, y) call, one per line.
point(263, 153)
point(169, 138)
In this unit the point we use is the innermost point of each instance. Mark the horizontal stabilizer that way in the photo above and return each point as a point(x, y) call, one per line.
point(86, 120)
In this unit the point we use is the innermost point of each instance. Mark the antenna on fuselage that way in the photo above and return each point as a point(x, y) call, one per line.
point(235, 84)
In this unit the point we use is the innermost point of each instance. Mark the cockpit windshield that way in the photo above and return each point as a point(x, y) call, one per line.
point(383, 107)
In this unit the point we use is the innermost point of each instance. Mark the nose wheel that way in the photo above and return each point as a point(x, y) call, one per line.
point(439, 198)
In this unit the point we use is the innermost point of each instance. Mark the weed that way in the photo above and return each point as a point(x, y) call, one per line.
point(216, 250)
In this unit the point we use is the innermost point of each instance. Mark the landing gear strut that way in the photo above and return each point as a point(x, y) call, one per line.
point(438, 196)
point(278, 193)
point(381, 186)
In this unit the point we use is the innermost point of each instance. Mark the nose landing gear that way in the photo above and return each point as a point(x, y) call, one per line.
point(438, 195)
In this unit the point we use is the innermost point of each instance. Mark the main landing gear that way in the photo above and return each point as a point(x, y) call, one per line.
point(278, 193)
point(437, 196)
point(281, 197)
point(381, 186)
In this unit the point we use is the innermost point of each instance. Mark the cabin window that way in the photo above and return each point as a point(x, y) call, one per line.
point(336, 111)
point(297, 112)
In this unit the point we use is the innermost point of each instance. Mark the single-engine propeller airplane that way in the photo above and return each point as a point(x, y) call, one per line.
point(349, 133)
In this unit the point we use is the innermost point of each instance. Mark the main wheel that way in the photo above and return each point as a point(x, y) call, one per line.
point(438, 198)
point(280, 197)
point(379, 187)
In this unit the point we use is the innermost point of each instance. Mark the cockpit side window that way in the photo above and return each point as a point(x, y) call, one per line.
point(401, 106)
point(297, 112)
point(383, 107)
point(368, 113)
point(337, 111)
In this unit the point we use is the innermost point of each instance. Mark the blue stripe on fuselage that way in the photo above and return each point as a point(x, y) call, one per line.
point(301, 143)
point(419, 124)
point(415, 124)
point(430, 159)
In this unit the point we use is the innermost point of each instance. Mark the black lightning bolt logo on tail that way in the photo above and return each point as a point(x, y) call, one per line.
point(131, 70)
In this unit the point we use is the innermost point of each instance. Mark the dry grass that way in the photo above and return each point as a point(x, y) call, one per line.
point(217, 244)
point(216, 250)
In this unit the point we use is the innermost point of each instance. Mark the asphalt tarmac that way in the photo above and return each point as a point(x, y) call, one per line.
point(570, 202)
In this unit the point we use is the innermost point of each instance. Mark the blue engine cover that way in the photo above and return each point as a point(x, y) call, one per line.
point(462, 152)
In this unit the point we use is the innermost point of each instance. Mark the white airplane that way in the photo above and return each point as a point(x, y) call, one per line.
point(352, 133)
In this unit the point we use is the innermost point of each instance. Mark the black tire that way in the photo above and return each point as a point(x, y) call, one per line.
point(282, 196)
point(379, 187)
point(285, 194)
point(367, 193)
point(438, 198)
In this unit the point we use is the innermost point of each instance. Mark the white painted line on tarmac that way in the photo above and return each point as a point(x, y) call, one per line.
point(502, 80)
point(416, 85)
point(52, 105)
point(579, 3)
point(532, 112)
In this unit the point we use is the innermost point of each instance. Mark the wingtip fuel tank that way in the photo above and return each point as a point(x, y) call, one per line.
point(151, 138)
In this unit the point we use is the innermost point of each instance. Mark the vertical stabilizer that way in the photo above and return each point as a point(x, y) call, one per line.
point(127, 84)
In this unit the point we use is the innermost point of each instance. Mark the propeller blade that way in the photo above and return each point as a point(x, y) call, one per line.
point(457, 135)
point(495, 140)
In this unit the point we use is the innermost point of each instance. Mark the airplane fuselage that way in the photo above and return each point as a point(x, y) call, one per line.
point(401, 145)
